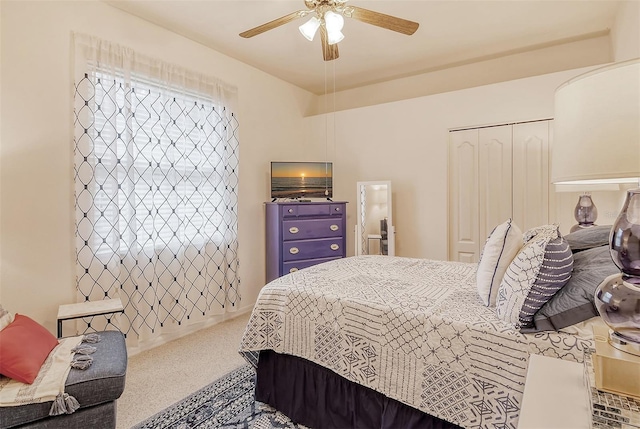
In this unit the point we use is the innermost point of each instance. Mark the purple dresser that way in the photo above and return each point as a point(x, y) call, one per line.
point(300, 235)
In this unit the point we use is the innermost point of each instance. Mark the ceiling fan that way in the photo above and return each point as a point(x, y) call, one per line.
point(327, 16)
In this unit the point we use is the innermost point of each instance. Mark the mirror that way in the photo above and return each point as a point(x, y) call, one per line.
point(375, 234)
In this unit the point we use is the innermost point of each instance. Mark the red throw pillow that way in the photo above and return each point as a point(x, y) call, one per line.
point(24, 346)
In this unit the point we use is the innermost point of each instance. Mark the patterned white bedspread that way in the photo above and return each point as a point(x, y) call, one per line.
point(413, 329)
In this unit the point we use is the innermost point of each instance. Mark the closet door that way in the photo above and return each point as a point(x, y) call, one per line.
point(531, 174)
point(463, 196)
point(496, 173)
point(494, 179)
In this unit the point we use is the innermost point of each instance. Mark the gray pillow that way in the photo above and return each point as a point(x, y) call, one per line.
point(555, 272)
point(588, 238)
point(574, 302)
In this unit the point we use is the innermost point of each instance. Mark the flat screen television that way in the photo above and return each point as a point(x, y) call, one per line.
point(301, 180)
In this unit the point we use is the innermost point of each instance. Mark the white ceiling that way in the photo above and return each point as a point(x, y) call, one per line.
point(451, 32)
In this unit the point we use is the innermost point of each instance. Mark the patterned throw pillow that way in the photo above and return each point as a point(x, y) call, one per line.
point(502, 245)
point(541, 232)
point(541, 268)
point(5, 318)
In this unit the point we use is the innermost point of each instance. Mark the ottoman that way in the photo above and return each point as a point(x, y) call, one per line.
point(96, 389)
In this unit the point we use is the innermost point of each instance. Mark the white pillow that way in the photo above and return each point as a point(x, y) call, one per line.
point(502, 245)
point(541, 268)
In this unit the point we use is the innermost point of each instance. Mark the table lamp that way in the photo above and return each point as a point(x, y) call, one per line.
point(597, 141)
point(585, 213)
point(618, 296)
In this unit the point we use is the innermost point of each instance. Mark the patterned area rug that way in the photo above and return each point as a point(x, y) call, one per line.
point(226, 403)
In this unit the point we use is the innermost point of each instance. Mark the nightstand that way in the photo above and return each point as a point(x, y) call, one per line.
point(609, 410)
point(555, 395)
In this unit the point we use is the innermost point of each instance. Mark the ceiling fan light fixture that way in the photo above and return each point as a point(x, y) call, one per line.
point(333, 21)
point(329, 18)
point(334, 37)
point(309, 28)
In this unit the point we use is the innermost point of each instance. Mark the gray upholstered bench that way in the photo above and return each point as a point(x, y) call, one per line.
point(96, 389)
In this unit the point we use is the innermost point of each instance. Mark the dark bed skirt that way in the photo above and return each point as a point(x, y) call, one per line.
point(319, 398)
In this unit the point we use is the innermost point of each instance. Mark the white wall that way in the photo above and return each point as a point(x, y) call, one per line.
point(36, 182)
point(0, 151)
point(625, 35)
point(406, 142)
point(494, 69)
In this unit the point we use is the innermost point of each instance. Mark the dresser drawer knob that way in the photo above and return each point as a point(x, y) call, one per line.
point(334, 227)
point(293, 230)
point(290, 210)
point(293, 270)
point(337, 209)
point(334, 247)
point(294, 250)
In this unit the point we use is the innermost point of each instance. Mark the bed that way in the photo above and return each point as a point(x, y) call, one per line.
point(404, 340)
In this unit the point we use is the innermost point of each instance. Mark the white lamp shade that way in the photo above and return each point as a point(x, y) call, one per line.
point(597, 127)
point(333, 21)
point(309, 28)
point(334, 37)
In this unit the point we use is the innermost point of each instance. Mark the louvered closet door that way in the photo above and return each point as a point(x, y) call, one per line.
point(531, 174)
point(463, 196)
point(494, 180)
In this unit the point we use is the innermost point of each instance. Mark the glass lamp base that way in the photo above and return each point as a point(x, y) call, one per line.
point(580, 226)
point(617, 300)
point(623, 344)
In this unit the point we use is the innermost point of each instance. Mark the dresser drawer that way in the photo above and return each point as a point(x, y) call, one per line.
point(307, 249)
point(290, 267)
point(291, 210)
point(336, 209)
point(301, 229)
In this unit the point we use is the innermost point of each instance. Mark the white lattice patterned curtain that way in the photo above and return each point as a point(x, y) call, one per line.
point(156, 190)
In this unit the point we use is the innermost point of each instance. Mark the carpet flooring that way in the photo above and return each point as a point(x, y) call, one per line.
point(163, 375)
point(226, 403)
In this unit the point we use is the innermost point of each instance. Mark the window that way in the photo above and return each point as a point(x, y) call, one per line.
point(169, 148)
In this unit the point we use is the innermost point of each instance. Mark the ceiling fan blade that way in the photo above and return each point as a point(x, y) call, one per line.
point(381, 20)
point(329, 52)
point(273, 24)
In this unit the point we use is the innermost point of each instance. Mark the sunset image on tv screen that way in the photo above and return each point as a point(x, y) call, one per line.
point(301, 179)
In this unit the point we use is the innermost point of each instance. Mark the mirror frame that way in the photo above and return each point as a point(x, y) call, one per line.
point(391, 250)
